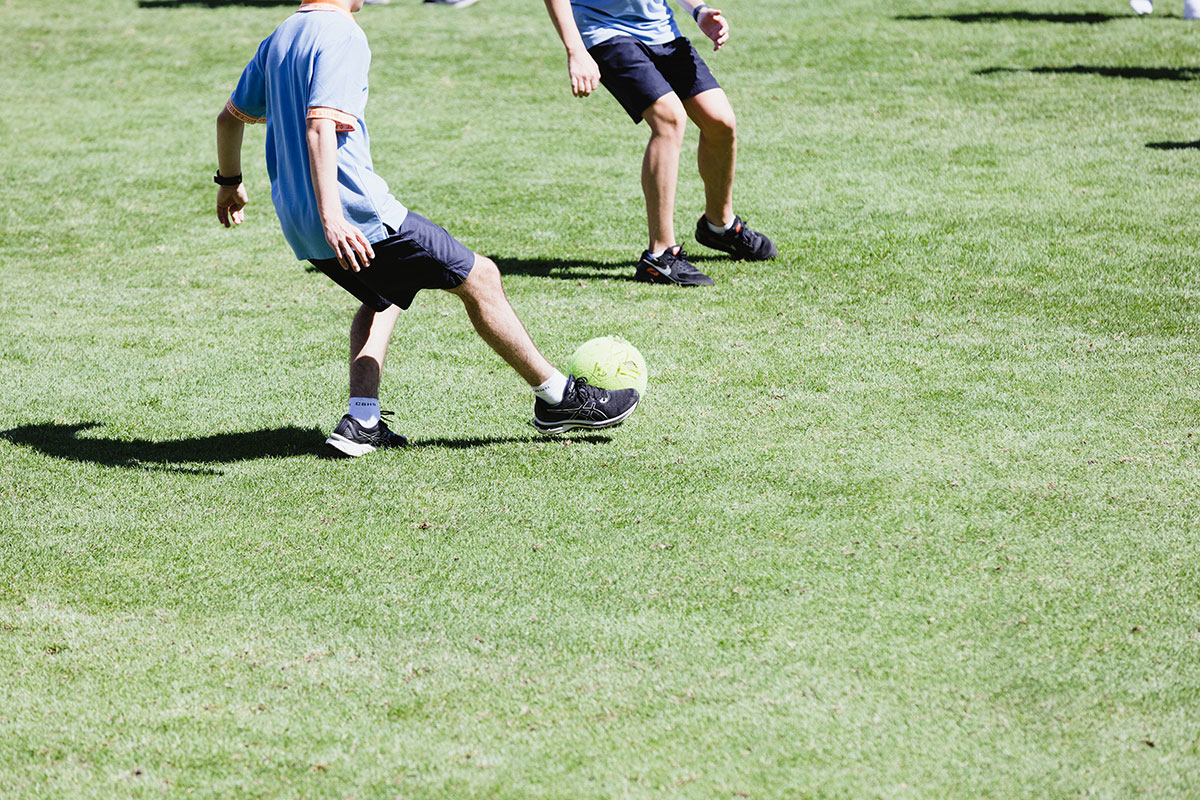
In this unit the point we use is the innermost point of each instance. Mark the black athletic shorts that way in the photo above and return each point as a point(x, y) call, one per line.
point(637, 73)
point(421, 255)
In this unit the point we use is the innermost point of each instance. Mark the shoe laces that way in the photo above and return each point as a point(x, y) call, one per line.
point(383, 432)
point(587, 393)
point(742, 232)
point(675, 253)
point(382, 429)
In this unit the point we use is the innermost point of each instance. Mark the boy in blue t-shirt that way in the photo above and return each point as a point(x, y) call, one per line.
point(635, 49)
point(308, 83)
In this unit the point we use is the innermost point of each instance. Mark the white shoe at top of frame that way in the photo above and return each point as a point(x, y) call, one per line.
point(1141, 7)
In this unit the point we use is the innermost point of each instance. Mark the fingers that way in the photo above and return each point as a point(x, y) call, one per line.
point(350, 258)
point(353, 251)
point(716, 28)
point(229, 206)
point(230, 214)
point(584, 73)
point(362, 249)
point(583, 84)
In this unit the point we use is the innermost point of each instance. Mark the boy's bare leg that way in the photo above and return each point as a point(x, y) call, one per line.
point(660, 167)
point(369, 335)
point(497, 324)
point(356, 435)
point(716, 156)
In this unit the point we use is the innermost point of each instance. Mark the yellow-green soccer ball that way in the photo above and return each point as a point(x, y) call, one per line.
point(610, 362)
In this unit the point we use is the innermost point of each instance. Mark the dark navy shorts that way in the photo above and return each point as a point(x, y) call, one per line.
point(421, 255)
point(637, 73)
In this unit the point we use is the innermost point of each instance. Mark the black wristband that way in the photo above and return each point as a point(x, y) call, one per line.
point(696, 11)
point(221, 180)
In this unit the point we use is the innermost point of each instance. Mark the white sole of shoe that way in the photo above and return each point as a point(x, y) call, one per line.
point(550, 428)
point(347, 447)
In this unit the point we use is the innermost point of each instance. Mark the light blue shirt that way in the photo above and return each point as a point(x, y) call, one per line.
point(315, 65)
point(649, 21)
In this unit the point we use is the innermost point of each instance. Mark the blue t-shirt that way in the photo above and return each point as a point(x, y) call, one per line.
point(649, 21)
point(315, 66)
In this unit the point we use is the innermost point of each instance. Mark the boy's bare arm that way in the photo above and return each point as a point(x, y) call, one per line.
point(585, 75)
point(231, 200)
point(351, 247)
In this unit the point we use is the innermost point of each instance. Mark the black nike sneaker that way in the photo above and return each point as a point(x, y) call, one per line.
point(584, 406)
point(350, 438)
point(671, 267)
point(739, 241)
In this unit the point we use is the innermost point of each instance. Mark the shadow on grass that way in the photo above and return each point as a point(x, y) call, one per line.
point(1016, 16)
point(575, 270)
point(212, 3)
point(63, 441)
point(564, 269)
point(1132, 73)
point(1173, 145)
point(468, 442)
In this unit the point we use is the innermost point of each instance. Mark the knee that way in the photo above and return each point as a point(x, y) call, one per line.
point(720, 127)
point(486, 272)
point(667, 119)
point(482, 282)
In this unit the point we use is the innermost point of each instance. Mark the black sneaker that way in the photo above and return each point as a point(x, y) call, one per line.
point(584, 406)
point(350, 438)
point(739, 241)
point(671, 267)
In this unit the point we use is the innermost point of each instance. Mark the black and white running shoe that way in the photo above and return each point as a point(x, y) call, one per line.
point(584, 406)
point(739, 241)
point(671, 267)
point(350, 438)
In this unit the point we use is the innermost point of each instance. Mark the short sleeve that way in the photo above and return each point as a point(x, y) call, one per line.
point(339, 83)
point(249, 100)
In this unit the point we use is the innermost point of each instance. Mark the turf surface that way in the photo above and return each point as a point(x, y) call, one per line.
point(910, 512)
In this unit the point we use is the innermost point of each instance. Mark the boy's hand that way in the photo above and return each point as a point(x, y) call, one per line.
point(585, 75)
point(230, 202)
point(714, 26)
point(352, 249)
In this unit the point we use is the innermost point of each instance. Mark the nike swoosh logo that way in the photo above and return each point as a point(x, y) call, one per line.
point(664, 270)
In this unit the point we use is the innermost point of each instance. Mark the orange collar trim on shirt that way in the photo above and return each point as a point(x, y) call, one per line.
point(324, 5)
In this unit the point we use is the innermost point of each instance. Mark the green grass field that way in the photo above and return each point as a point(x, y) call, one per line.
point(910, 512)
